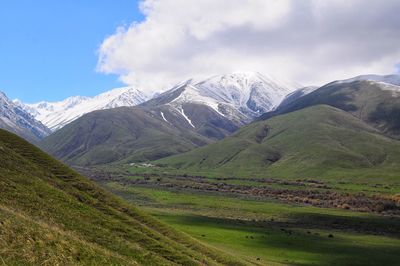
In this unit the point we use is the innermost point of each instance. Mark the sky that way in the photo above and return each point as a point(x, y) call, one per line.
point(53, 49)
point(49, 49)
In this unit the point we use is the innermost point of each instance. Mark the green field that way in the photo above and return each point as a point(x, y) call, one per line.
point(271, 232)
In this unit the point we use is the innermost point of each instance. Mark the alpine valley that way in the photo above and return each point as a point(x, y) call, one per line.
point(187, 116)
point(237, 169)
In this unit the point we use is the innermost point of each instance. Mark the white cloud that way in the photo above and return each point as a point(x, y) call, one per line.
point(309, 41)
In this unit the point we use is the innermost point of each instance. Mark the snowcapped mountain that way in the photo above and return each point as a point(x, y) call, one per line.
point(249, 92)
point(226, 101)
point(57, 114)
point(240, 95)
point(15, 119)
point(189, 115)
point(223, 102)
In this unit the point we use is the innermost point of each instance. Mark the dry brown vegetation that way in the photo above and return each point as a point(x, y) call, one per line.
point(306, 191)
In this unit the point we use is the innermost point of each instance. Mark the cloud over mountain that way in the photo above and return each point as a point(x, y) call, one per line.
point(310, 41)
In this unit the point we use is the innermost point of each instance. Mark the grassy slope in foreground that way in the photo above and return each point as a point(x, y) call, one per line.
point(50, 215)
point(318, 141)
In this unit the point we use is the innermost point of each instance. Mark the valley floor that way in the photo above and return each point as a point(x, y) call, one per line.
point(277, 222)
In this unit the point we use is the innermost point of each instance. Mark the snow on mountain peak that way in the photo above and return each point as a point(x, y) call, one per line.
point(14, 118)
point(241, 96)
point(57, 114)
point(237, 95)
point(252, 92)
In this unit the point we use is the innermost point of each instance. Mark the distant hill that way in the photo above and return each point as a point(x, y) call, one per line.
point(130, 134)
point(313, 142)
point(375, 102)
point(15, 119)
point(50, 215)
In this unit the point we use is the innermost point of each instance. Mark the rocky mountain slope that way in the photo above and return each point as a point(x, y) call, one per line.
point(13, 118)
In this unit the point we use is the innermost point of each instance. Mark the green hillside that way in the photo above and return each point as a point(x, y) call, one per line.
point(375, 103)
point(126, 133)
point(313, 142)
point(50, 215)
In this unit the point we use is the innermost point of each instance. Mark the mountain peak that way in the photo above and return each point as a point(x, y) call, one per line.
point(251, 92)
point(3, 95)
point(237, 96)
point(57, 114)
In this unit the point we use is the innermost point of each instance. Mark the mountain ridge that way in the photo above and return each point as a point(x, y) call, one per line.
point(130, 134)
point(238, 96)
point(250, 93)
point(311, 142)
point(185, 117)
point(15, 119)
point(375, 102)
point(58, 114)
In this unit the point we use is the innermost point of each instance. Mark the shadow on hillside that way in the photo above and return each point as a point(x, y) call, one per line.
point(334, 240)
point(372, 225)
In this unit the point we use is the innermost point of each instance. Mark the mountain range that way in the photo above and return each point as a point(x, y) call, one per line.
point(187, 116)
point(214, 107)
point(344, 128)
point(194, 114)
point(239, 96)
point(313, 142)
point(55, 115)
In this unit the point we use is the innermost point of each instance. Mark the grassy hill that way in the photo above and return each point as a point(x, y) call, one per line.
point(377, 104)
point(50, 215)
point(126, 133)
point(313, 142)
